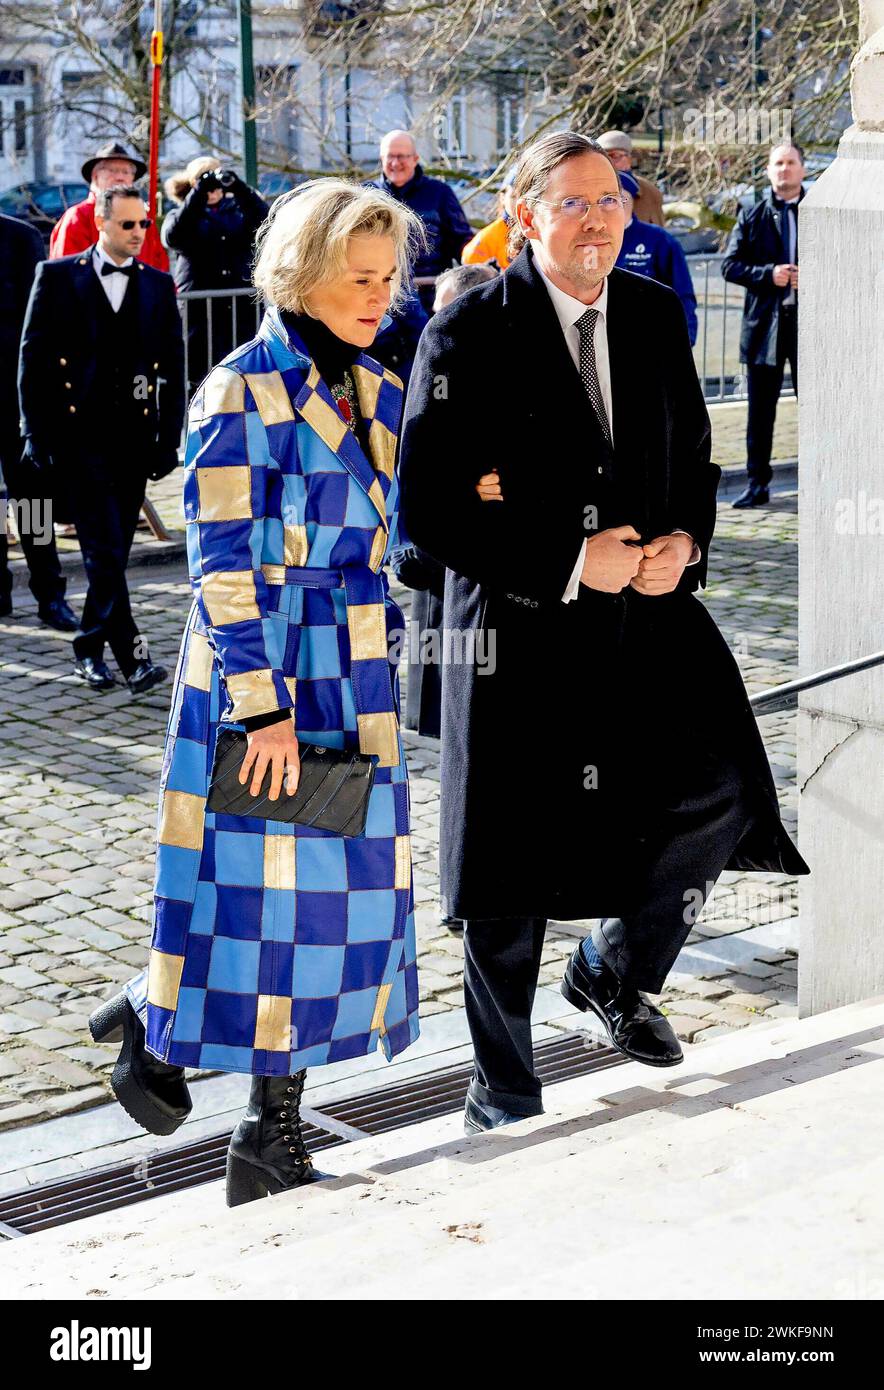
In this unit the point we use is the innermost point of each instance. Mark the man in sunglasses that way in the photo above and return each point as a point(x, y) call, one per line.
point(101, 389)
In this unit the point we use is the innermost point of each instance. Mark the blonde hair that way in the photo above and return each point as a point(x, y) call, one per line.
point(200, 165)
point(304, 241)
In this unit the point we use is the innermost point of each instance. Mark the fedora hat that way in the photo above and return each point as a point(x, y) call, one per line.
point(114, 150)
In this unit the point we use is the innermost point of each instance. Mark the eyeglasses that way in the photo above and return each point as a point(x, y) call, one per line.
point(128, 225)
point(579, 207)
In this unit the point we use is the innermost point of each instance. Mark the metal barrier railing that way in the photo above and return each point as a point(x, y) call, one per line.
point(215, 321)
point(785, 697)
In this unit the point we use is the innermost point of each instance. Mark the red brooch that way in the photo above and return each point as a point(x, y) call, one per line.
point(344, 407)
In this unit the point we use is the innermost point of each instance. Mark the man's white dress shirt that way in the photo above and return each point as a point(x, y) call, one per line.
point(569, 310)
point(114, 286)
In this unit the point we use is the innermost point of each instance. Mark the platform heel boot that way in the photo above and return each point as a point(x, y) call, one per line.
point(267, 1153)
point(152, 1092)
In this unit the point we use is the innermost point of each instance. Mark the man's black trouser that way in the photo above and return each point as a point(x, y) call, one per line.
point(683, 852)
point(105, 513)
point(34, 518)
point(764, 386)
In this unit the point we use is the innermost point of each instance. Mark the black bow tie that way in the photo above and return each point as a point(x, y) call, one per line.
point(108, 269)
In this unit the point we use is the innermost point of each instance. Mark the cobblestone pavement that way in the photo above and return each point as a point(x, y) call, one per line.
point(78, 784)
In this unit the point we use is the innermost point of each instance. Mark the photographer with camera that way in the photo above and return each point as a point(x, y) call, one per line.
point(212, 233)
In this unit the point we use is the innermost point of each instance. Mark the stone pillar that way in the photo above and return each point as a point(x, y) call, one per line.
point(841, 556)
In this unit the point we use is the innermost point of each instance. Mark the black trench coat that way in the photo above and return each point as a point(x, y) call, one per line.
point(593, 717)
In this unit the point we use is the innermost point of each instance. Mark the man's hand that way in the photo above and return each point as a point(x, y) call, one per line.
point(610, 563)
point(275, 746)
point(662, 564)
point(35, 458)
point(488, 487)
point(782, 275)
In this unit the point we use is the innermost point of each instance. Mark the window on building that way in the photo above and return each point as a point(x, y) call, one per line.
point(20, 126)
point(451, 126)
point(510, 120)
point(276, 101)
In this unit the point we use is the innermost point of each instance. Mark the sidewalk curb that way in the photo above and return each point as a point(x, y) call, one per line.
point(733, 481)
point(734, 477)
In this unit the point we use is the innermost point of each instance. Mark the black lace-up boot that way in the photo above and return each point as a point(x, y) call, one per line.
point(267, 1153)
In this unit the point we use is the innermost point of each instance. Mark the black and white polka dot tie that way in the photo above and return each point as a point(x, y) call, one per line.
point(588, 371)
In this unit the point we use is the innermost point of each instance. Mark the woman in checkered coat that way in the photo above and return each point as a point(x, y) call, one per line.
point(276, 947)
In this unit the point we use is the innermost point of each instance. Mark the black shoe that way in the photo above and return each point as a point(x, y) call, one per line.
point(267, 1153)
point(146, 676)
point(5, 605)
point(152, 1092)
point(634, 1026)
point(754, 496)
point(454, 925)
point(94, 673)
point(479, 1117)
point(58, 614)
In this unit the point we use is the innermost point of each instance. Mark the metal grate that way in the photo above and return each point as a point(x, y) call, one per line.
point(409, 1102)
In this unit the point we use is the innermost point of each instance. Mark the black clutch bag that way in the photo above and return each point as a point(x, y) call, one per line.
point(332, 793)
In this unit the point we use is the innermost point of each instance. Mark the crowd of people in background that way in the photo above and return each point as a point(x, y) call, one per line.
point(64, 427)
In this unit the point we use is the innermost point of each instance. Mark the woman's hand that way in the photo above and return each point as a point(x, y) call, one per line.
point(275, 746)
point(488, 487)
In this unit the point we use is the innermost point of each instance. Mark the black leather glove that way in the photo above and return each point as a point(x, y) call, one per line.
point(35, 459)
point(166, 463)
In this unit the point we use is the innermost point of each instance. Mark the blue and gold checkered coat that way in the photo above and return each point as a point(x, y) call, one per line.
point(277, 947)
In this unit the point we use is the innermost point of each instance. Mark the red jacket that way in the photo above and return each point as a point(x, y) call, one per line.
point(76, 231)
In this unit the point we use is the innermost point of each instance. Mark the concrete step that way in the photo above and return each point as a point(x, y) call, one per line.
point(753, 1169)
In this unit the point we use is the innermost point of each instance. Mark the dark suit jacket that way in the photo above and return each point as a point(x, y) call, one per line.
point(758, 243)
point(642, 688)
point(58, 355)
point(21, 251)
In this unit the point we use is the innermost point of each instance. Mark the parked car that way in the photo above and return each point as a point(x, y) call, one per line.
point(41, 204)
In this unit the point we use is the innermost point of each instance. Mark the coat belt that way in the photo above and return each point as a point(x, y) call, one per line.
point(371, 675)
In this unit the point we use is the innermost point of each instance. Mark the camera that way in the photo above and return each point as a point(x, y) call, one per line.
point(213, 179)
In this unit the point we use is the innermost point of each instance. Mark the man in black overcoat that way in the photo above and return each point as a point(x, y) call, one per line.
point(599, 755)
point(101, 389)
point(762, 255)
point(21, 251)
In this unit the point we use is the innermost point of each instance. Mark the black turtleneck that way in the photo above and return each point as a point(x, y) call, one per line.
point(333, 358)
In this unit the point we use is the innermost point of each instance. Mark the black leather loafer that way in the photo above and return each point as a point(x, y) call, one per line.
point(154, 1093)
point(479, 1117)
point(754, 496)
point(58, 614)
point(146, 676)
point(95, 674)
point(633, 1025)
